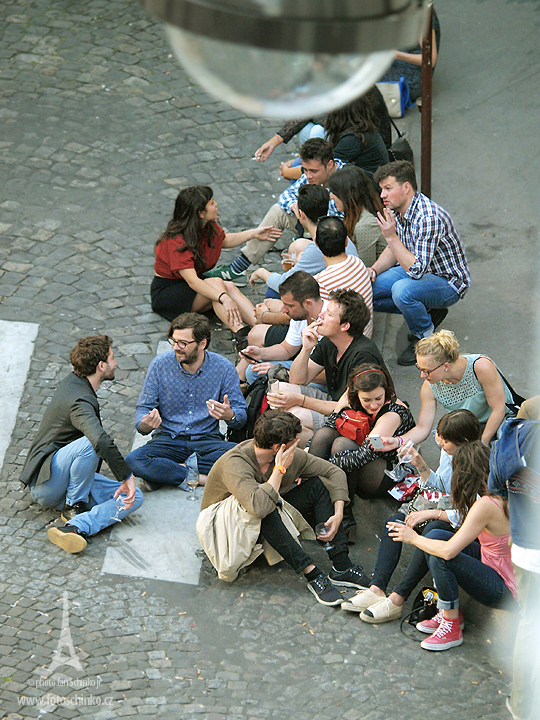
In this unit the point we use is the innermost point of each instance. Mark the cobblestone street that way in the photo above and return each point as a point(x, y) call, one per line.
point(99, 128)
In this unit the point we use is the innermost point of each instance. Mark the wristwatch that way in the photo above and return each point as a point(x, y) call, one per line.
point(281, 469)
point(233, 418)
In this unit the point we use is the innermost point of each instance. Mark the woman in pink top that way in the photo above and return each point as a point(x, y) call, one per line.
point(483, 568)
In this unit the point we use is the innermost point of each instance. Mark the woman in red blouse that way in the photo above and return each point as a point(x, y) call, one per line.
point(189, 247)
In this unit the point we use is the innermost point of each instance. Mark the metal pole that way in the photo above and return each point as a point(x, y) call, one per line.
point(427, 70)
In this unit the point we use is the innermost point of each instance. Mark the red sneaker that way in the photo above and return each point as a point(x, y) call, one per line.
point(429, 626)
point(446, 636)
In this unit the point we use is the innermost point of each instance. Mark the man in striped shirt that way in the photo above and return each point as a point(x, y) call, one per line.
point(342, 272)
point(423, 269)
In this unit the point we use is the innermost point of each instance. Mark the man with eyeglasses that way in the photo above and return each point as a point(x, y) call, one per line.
point(423, 270)
point(187, 391)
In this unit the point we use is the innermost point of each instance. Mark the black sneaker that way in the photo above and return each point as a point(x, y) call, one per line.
point(324, 591)
point(69, 538)
point(408, 356)
point(353, 577)
point(69, 511)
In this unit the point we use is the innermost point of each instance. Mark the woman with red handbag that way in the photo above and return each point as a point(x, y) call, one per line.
point(369, 406)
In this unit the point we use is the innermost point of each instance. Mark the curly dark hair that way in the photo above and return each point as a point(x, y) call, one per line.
point(187, 222)
point(275, 427)
point(353, 310)
point(365, 378)
point(88, 353)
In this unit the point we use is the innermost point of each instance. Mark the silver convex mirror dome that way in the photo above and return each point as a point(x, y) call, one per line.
point(288, 58)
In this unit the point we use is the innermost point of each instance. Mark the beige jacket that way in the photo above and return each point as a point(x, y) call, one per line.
point(229, 535)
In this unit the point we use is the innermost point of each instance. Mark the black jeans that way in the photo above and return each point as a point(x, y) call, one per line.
point(388, 559)
point(312, 500)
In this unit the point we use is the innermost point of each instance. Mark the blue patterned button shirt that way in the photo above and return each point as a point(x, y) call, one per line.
point(428, 232)
point(289, 196)
point(181, 397)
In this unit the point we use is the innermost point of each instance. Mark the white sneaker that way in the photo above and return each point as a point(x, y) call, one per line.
point(362, 600)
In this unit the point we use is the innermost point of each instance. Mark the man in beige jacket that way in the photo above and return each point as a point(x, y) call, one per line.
point(259, 472)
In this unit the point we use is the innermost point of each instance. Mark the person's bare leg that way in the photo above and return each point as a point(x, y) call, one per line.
point(257, 334)
point(246, 307)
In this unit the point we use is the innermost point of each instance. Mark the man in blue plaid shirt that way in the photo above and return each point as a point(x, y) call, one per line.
point(423, 270)
point(318, 164)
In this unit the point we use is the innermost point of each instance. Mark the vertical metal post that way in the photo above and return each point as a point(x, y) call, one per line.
point(427, 71)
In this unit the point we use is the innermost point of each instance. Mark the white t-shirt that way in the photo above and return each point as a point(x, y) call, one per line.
point(296, 328)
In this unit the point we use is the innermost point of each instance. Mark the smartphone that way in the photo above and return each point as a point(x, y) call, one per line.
point(248, 357)
point(376, 442)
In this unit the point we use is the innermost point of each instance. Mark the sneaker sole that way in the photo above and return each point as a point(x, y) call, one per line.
point(446, 646)
point(351, 607)
point(343, 583)
point(70, 542)
point(430, 631)
point(378, 620)
point(338, 601)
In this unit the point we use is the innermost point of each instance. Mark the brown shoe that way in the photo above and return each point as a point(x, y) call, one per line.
point(69, 538)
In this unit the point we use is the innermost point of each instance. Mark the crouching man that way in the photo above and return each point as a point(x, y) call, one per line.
point(61, 466)
point(259, 473)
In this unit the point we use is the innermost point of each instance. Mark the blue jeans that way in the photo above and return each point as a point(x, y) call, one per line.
point(390, 553)
point(157, 462)
point(466, 570)
point(395, 292)
point(74, 479)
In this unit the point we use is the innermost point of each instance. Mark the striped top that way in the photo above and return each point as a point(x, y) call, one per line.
point(351, 274)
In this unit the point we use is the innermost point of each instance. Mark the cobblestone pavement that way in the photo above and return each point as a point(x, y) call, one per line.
point(99, 128)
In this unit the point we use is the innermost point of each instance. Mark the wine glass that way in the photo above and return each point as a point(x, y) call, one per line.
point(322, 529)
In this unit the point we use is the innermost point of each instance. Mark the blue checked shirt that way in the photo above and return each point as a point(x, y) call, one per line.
point(428, 232)
point(289, 196)
point(181, 397)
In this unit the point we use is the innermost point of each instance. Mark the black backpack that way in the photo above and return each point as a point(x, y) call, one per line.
point(255, 397)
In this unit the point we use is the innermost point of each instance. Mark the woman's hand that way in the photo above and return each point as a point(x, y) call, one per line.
point(233, 312)
point(418, 516)
point(401, 533)
point(284, 400)
point(268, 232)
point(259, 274)
point(390, 443)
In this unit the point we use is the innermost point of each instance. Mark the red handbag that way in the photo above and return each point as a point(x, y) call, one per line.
point(353, 424)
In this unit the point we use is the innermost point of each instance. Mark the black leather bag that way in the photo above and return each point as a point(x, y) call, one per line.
point(400, 149)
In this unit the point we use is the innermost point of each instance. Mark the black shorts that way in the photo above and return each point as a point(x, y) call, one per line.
point(171, 298)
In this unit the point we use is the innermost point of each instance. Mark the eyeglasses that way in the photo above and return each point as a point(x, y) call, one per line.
point(428, 372)
point(181, 344)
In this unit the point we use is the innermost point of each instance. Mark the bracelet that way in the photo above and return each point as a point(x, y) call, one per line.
point(221, 295)
point(281, 469)
point(439, 515)
point(400, 440)
point(303, 400)
point(263, 313)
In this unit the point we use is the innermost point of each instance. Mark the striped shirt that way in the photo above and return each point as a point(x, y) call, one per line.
point(428, 232)
point(289, 196)
point(351, 274)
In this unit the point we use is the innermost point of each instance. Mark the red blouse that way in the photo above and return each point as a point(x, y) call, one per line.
point(169, 261)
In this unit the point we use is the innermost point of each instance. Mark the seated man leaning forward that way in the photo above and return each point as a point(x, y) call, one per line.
point(187, 391)
point(318, 164)
point(301, 301)
point(61, 465)
point(342, 348)
point(424, 269)
point(259, 472)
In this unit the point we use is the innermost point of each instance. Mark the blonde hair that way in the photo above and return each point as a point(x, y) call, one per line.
point(442, 346)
